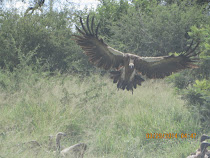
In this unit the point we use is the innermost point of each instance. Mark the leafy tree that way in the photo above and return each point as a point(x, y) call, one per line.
point(150, 29)
point(203, 33)
point(110, 11)
point(195, 86)
point(50, 34)
point(37, 5)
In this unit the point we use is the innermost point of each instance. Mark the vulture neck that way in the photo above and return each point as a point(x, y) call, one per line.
point(203, 147)
point(128, 71)
point(58, 145)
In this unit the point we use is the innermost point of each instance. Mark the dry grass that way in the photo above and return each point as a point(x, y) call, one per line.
point(112, 123)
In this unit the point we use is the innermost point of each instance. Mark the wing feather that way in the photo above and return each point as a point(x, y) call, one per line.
point(92, 23)
point(159, 67)
point(152, 59)
point(106, 57)
point(98, 52)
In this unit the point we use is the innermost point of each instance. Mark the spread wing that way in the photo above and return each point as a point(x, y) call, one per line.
point(99, 53)
point(159, 67)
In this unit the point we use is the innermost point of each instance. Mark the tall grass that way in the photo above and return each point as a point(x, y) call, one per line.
point(112, 123)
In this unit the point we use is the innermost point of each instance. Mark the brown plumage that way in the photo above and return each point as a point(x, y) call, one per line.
point(129, 67)
point(74, 151)
point(202, 139)
point(202, 153)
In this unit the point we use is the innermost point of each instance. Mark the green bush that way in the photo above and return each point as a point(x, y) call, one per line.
point(180, 80)
point(150, 29)
point(50, 34)
point(194, 85)
point(199, 96)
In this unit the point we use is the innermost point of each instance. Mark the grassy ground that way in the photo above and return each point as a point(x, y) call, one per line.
point(112, 123)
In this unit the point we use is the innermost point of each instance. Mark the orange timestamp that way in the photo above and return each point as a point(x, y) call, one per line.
point(170, 135)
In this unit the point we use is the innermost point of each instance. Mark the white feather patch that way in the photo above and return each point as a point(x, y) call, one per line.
point(115, 52)
point(152, 59)
point(132, 75)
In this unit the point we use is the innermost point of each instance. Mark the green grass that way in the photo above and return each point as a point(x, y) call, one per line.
point(112, 123)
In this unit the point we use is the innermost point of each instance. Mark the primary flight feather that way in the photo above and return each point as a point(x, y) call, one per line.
point(128, 67)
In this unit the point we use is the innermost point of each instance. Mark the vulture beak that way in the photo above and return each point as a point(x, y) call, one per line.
point(131, 65)
point(204, 137)
point(61, 133)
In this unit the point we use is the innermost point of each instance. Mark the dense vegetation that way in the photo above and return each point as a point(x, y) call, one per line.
point(47, 85)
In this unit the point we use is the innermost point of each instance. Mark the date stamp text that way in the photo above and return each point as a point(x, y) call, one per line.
point(170, 135)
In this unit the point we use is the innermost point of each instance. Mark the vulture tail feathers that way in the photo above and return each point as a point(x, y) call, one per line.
point(134, 85)
point(138, 80)
point(115, 75)
point(124, 84)
point(119, 84)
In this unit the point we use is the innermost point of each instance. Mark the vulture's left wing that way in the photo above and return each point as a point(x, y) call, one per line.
point(99, 53)
point(159, 67)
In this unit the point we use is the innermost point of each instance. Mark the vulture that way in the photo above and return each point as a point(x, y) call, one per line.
point(202, 152)
point(206, 151)
point(204, 137)
point(74, 151)
point(127, 69)
point(37, 5)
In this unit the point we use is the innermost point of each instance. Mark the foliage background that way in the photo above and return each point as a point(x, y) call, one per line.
point(44, 74)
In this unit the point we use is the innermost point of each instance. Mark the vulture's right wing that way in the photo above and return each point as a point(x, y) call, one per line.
point(99, 53)
point(159, 67)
